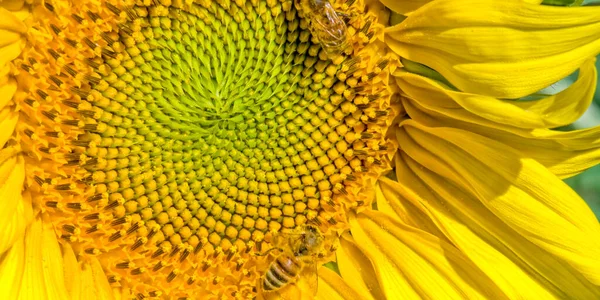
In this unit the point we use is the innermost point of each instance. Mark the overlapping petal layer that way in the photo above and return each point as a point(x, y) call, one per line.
point(519, 191)
point(551, 111)
point(15, 211)
point(404, 7)
point(515, 265)
point(513, 123)
point(334, 287)
point(353, 263)
point(505, 49)
point(412, 263)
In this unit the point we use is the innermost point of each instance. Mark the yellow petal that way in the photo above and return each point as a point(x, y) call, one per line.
point(11, 270)
point(408, 213)
point(13, 210)
point(564, 153)
point(333, 287)
point(404, 7)
point(52, 263)
point(10, 52)
point(519, 268)
point(553, 111)
point(8, 37)
point(8, 122)
point(12, 5)
point(357, 268)
point(500, 48)
point(10, 22)
point(7, 91)
point(567, 106)
point(72, 272)
point(11, 42)
point(43, 274)
point(94, 284)
point(413, 264)
point(520, 191)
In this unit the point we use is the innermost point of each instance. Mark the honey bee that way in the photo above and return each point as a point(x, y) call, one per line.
point(326, 25)
point(297, 259)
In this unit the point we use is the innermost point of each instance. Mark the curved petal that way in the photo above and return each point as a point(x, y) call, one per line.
point(10, 42)
point(72, 272)
point(565, 154)
point(553, 111)
point(547, 212)
point(411, 263)
point(43, 270)
point(8, 123)
point(94, 284)
point(12, 5)
point(11, 270)
point(519, 268)
point(11, 31)
point(10, 22)
point(467, 43)
point(356, 267)
point(404, 7)
point(334, 287)
point(411, 215)
point(7, 91)
point(14, 210)
point(10, 52)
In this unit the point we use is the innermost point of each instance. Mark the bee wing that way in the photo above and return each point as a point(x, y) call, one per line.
point(328, 19)
point(310, 279)
point(285, 240)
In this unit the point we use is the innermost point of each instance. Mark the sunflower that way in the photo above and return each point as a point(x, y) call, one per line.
point(160, 149)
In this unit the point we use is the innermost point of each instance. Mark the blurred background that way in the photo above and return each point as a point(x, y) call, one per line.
point(587, 184)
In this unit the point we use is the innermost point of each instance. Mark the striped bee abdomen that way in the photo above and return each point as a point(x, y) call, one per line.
point(282, 271)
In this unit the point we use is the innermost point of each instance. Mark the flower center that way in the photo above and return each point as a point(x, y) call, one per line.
point(168, 140)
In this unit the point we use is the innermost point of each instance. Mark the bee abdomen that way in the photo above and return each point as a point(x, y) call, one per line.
point(281, 272)
point(289, 266)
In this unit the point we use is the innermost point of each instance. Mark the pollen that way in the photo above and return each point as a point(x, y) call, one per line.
point(170, 138)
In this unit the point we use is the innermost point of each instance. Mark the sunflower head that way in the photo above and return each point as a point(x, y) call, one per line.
point(170, 140)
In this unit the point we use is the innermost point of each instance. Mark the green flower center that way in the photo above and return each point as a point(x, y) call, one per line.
point(227, 119)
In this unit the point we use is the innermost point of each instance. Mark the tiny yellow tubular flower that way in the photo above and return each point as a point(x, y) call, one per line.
point(505, 49)
point(166, 143)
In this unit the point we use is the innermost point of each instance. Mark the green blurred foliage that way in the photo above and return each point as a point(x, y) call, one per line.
point(587, 184)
